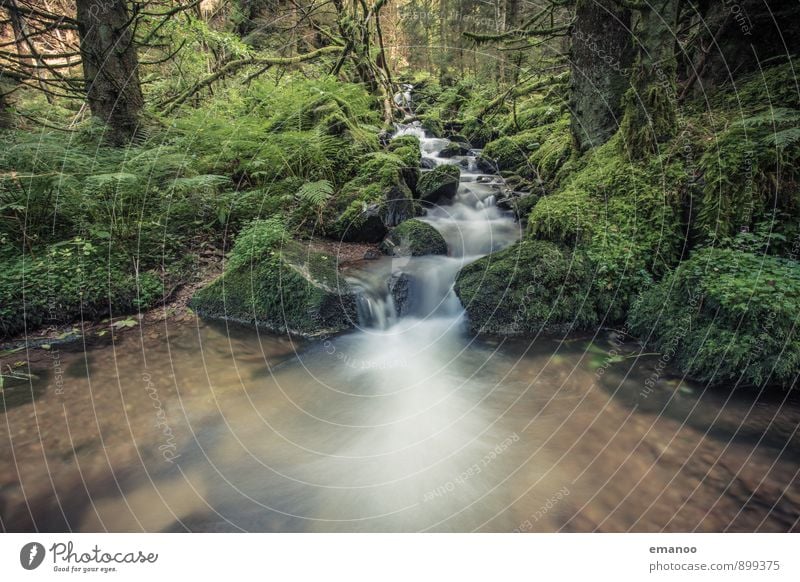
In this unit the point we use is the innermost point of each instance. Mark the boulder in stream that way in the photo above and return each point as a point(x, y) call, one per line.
point(414, 238)
point(379, 197)
point(530, 287)
point(400, 290)
point(280, 284)
point(454, 149)
point(441, 182)
point(486, 164)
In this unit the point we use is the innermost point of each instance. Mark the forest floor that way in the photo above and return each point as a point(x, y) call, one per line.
point(24, 350)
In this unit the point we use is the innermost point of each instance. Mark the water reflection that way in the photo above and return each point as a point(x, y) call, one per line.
point(444, 433)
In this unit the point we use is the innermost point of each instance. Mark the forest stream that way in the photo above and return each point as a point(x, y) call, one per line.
point(408, 423)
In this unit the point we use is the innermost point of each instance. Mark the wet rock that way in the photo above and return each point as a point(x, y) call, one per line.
point(441, 182)
point(486, 164)
point(372, 255)
point(460, 139)
point(400, 289)
point(287, 288)
point(454, 149)
point(368, 226)
point(414, 238)
point(427, 163)
point(530, 287)
point(411, 176)
point(384, 138)
point(398, 205)
point(520, 203)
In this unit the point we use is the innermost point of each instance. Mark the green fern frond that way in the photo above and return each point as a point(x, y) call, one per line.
point(315, 194)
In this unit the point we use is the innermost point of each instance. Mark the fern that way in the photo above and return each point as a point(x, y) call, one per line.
point(315, 194)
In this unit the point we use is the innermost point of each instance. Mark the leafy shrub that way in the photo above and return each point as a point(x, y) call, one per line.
point(727, 317)
point(71, 279)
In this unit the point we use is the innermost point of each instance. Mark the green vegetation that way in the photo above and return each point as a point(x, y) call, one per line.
point(656, 186)
point(439, 184)
point(275, 282)
point(89, 231)
point(531, 287)
point(414, 238)
point(726, 316)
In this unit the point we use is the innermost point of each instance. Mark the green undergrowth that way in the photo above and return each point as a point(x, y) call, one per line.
point(726, 317)
point(284, 150)
point(274, 281)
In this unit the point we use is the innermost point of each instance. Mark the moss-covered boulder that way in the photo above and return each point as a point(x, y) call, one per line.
point(530, 287)
point(280, 284)
point(511, 152)
point(726, 317)
point(454, 149)
point(439, 183)
point(414, 238)
point(407, 148)
point(379, 197)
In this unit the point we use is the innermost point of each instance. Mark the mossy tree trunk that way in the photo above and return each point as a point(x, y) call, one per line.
point(5, 115)
point(110, 66)
point(359, 26)
point(651, 102)
point(601, 55)
point(736, 38)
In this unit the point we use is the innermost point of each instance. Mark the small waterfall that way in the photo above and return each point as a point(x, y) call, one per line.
point(421, 288)
point(376, 311)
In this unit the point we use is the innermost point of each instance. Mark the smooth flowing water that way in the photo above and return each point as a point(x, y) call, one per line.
point(407, 424)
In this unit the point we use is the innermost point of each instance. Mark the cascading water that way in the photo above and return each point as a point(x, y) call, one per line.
point(471, 224)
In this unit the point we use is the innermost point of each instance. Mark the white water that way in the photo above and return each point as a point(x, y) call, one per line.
point(472, 226)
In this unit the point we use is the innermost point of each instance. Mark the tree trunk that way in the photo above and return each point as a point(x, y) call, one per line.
point(739, 38)
point(601, 56)
point(510, 18)
point(651, 103)
point(5, 115)
point(110, 66)
point(18, 26)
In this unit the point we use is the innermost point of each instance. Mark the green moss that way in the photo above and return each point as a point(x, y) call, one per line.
point(726, 317)
point(414, 238)
point(379, 190)
point(750, 176)
point(479, 132)
point(275, 282)
point(554, 151)
point(441, 182)
point(71, 279)
point(774, 85)
point(529, 287)
point(509, 153)
point(533, 153)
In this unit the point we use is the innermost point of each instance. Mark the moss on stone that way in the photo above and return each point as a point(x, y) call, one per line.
point(378, 197)
point(726, 317)
point(414, 238)
point(277, 283)
point(441, 182)
point(530, 287)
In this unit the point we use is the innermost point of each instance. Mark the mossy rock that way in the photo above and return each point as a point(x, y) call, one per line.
point(454, 149)
point(510, 153)
point(414, 238)
point(726, 317)
point(478, 132)
point(278, 283)
point(378, 198)
point(441, 182)
point(432, 126)
point(528, 288)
